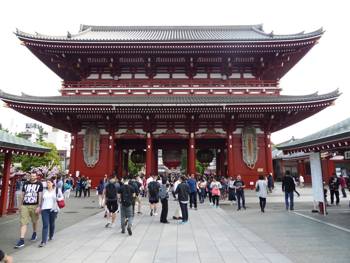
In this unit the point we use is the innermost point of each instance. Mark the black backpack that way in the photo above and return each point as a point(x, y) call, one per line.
point(126, 195)
point(153, 189)
point(111, 191)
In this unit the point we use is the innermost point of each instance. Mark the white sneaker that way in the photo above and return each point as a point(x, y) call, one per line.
point(112, 225)
point(155, 214)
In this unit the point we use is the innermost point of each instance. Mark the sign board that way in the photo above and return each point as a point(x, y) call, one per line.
point(347, 155)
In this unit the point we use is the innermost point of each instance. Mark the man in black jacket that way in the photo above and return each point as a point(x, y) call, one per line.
point(183, 192)
point(334, 189)
point(288, 187)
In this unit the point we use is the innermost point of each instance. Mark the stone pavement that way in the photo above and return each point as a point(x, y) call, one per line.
point(76, 209)
point(210, 236)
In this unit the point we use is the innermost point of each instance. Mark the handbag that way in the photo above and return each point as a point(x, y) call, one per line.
point(215, 191)
point(60, 203)
point(257, 189)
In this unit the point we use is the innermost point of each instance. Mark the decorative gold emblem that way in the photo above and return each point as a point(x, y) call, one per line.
point(91, 148)
point(249, 147)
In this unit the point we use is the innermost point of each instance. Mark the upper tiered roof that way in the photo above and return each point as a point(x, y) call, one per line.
point(241, 33)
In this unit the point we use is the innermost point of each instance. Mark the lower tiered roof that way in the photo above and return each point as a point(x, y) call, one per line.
point(73, 112)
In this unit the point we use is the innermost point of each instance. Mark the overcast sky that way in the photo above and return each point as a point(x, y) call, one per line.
point(324, 69)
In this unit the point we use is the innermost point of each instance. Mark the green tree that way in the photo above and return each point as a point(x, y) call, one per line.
point(133, 168)
point(200, 168)
point(49, 159)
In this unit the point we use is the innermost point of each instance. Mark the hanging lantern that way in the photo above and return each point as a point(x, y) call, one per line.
point(138, 157)
point(205, 156)
point(171, 158)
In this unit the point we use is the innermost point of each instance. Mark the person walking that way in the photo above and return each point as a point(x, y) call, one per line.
point(111, 199)
point(183, 192)
point(88, 186)
point(202, 185)
point(137, 185)
point(270, 183)
point(126, 194)
point(239, 185)
point(261, 189)
point(49, 210)
point(31, 198)
point(77, 187)
point(210, 179)
point(192, 183)
point(100, 195)
point(215, 187)
point(342, 183)
point(231, 190)
point(67, 187)
point(164, 196)
point(288, 187)
point(153, 192)
point(334, 189)
point(301, 181)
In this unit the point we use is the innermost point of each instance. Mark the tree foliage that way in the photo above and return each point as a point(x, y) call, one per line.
point(49, 159)
point(133, 168)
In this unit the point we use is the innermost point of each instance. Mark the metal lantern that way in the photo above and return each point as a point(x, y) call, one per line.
point(172, 158)
point(205, 156)
point(138, 157)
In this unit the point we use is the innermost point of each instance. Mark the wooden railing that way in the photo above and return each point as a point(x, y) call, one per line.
point(134, 83)
point(169, 86)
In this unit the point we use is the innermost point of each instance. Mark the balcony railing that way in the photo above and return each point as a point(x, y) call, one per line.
point(169, 86)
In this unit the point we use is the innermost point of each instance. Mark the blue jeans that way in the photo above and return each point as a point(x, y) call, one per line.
point(240, 196)
point(126, 213)
point(290, 196)
point(48, 218)
point(193, 199)
point(184, 211)
point(201, 195)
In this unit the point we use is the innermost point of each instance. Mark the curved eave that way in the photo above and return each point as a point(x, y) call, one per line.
point(156, 101)
point(323, 144)
point(266, 38)
point(16, 149)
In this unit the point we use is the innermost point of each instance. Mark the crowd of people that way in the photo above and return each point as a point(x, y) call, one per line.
point(40, 198)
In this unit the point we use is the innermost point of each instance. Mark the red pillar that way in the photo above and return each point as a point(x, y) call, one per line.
point(73, 154)
point(126, 162)
point(5, 184)
point(268, 153)
point(218, 162)
point(111, 153)
point(230, 165)
point(222, 162)
point(12, 196)
point(149, 155)
point(301, 168)
point(191, 155)
point(120, 161)
point(155, 162)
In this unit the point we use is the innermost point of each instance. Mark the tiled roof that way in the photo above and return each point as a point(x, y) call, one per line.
point(171, 100)
point(240, 33)
point(332, 133)
point(12, 142)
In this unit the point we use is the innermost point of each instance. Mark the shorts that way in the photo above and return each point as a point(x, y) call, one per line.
point(112, 206)
point(28, 213)
point(137, 199)
point(153, 200)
